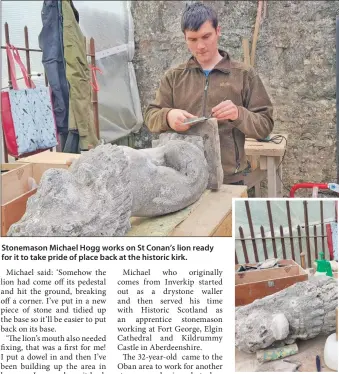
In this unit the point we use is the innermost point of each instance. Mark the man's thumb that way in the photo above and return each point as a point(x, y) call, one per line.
point(188, 115)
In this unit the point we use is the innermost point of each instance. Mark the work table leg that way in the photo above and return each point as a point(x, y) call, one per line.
point(272, 176)
point(279, 180)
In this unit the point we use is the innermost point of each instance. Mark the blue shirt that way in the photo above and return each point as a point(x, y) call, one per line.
point(207, 72)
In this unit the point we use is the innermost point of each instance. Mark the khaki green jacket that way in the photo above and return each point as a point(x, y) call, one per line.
point(78, 75)
point(186, 87)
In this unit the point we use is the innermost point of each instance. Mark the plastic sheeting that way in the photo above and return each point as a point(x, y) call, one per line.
point(259, 216)
point(30, 16)
point(334, 229)
point(111, 25)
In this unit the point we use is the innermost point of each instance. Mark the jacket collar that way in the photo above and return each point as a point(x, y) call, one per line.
point(223, 65)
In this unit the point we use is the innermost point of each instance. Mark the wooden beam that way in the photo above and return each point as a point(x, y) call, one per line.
point(246, 50)
point(256, 31)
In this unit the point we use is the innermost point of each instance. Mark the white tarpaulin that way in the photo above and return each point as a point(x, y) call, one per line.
point(111, 25)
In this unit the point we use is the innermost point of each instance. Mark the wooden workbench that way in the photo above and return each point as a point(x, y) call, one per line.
point(211, 215)
point(270, 156)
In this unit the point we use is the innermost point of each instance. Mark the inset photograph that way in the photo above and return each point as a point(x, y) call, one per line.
point(286, 285)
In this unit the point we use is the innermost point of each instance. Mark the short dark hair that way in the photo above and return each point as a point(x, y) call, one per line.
point(197, 14)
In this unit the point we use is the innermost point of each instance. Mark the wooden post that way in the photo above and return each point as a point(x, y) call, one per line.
point(241, 232)
point(299, 239)
point(256, 31)
point(315, 241)
point(28, 61)
point(263, 241)
point(336, 329)
point(94, 93)
point(250, 223)
point(269, 212)
point(307, 230)
point(8, 66)
point(27, 51)
point(246, 50)
point(282, 242)
point(322, 225)
point(290, 228)
point(10, 87)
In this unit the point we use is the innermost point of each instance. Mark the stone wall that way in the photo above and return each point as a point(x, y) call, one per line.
point(295, 58)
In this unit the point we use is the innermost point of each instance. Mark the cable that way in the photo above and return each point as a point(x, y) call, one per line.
point(274, 140)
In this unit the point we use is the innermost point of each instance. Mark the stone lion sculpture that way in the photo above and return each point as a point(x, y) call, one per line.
point(302, 311)
point(107, 185)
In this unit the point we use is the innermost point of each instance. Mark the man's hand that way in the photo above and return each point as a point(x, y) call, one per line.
point(176, 118)
point(225, 110)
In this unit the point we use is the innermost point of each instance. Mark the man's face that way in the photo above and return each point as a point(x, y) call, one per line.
point(203, 43)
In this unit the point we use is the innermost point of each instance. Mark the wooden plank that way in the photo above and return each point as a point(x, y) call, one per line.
point(247, 293)
point(262, 231)
point(263, 162)
point(48, 157)
point(162, 225)
point(250, 224)
point(254, 161)
point(15, 183)
point(243, 244)
point(246, 50)
point(10, 166)
point(290, 228)
point(315, 241)
point(271, 177)
point(269, 212)
point(300, 240)
point(307, 229)
point(257, 190)
point(282, 241)
point(256, 32)
point(225, 228)
point(208, 217)
point(278, 161)
point(255, 148)
point(265, 275)
point(12, 211)
point(211, 215)
point(254, 177)
point(322, 225)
